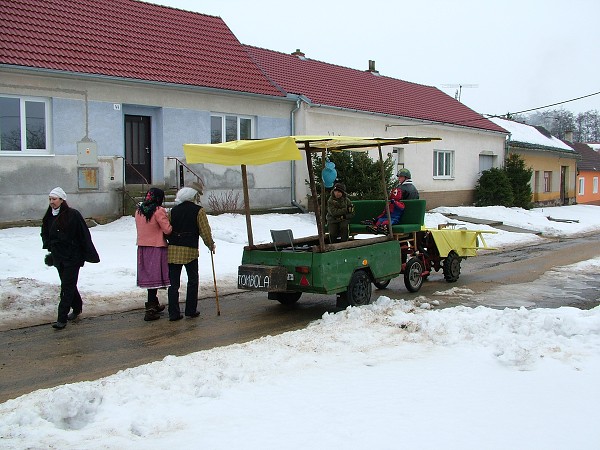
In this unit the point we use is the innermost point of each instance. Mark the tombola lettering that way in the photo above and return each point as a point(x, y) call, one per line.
point(254, 281)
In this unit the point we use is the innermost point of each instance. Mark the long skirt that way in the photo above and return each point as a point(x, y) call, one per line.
point(152, 267)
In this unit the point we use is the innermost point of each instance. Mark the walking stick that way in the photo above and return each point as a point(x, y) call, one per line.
point(212, 260)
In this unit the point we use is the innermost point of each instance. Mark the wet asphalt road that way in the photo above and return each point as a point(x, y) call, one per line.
point(40, 357)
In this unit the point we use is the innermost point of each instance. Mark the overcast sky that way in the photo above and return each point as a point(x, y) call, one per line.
point(520, 54)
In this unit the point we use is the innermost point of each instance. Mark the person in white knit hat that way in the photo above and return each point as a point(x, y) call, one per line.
point(66, 236)
point(189, 223)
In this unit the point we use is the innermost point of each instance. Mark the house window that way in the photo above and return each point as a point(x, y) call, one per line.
point(486, 162)
point(595, 185)
point(225, 128)
point(547, 181)
point(23, 125)
point(443, 164)
point(581, 186)
point(399, 154)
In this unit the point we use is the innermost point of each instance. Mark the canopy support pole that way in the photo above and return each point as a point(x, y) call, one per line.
point(385, 193)
point(247, 205)
point(323, 193)
point(313, 192)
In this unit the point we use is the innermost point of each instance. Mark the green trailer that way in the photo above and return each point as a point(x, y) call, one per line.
point(287, 267)
point(286, 272)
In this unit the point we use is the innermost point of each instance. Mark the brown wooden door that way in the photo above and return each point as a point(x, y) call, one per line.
point(138, 149)
point(564, 187)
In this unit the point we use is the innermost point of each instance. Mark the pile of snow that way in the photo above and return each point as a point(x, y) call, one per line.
point(388, 375)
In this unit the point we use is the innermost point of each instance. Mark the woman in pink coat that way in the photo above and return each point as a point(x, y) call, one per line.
point(152, 225)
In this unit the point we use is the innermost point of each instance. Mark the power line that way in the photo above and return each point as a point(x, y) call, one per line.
point(553, 104)
point(491, 116)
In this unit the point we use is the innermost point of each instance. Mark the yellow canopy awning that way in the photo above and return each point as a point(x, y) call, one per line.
point(264, 151)
point(247, 152)
point(357, 143)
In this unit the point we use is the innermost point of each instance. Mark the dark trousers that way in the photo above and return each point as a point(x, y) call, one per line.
point(69, 295)
point(191, 296)
point(152, 295)
point(338, 231)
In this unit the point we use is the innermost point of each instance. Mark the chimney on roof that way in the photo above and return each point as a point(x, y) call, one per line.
point(299, 54)
point(569, 136)
point(372, 67)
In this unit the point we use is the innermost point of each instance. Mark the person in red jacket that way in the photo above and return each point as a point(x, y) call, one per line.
point(152, 224)
point(381, 222)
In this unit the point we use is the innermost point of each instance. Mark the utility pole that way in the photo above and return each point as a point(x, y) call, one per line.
point(460, 88)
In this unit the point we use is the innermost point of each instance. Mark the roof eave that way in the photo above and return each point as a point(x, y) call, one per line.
point(543, 148)
point(100, 77)
point(422, 121)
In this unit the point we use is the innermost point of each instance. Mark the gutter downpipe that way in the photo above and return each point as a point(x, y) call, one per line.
point(293, 200)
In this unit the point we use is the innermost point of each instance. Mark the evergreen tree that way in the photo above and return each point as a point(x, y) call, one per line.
point(493, 188)
point(358, 171)
point(519, 177)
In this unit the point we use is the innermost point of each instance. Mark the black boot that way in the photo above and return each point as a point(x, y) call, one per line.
point(151, 312)
point(157, 306)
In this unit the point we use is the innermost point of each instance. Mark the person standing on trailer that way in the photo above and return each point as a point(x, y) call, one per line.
point(339, 212)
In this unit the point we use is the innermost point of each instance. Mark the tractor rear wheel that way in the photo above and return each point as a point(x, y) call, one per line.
point(452, 267)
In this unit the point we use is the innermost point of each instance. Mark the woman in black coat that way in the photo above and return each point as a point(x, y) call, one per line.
point(66, 236)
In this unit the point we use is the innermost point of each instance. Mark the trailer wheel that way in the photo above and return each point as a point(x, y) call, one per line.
point(452, 267)
point(359, 289)
point(413, 280)
point(381, 284)
point(285, 298)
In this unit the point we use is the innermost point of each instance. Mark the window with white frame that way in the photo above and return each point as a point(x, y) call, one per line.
point(595, 185)
point(399, 154)
point(225, 128)
point(486, 161)
point(581, 186)
point(443, 164)
point(547, 181)
point(24, 125)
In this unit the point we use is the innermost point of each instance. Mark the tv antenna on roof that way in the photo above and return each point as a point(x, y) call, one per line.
point(460, 88)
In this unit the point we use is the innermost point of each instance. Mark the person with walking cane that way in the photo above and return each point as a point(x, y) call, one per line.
point(190, 223)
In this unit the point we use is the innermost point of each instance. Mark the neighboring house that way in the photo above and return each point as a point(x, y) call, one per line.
point(335, 100)
point(100, 96)
point(554, 163)
point(588, 172)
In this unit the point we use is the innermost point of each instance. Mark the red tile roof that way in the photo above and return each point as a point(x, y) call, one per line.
point(590, 159)
point(127, 39)
point(331, 85)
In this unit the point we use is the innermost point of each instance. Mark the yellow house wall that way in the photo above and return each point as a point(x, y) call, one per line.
point(545, 161)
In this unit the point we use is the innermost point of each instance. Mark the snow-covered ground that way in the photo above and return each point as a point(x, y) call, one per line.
point(389, 375)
